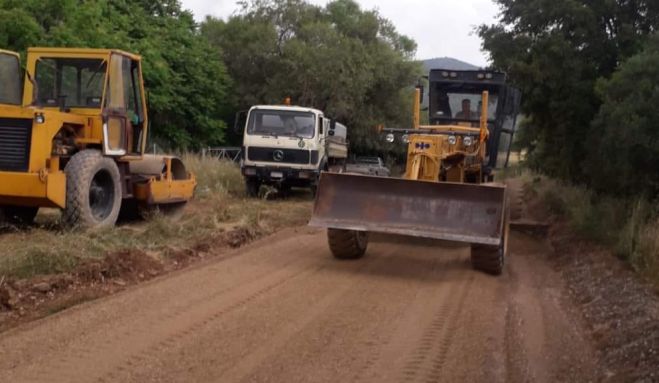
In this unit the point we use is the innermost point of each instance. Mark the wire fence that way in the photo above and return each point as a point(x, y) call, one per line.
point(229, 153)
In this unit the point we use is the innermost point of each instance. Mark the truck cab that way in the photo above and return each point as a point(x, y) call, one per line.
point(288, 146)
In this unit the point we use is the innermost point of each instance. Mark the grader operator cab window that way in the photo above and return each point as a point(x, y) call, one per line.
point(458, 102)
point(10, 80)
point(70, 83)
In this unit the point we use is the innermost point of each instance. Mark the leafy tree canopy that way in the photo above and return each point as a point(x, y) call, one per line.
point(624, 151)
point(349, 62)
point(556, 51)
point(186, 80)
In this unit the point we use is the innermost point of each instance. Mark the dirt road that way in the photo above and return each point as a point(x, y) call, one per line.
point(282, 310)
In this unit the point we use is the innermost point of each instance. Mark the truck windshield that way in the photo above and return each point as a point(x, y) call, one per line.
point(10, 80)
point(79, 82)
point(281, 123)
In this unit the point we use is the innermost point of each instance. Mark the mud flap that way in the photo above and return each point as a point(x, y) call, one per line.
point(449, 211)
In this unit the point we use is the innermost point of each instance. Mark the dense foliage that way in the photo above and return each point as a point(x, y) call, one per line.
point(342, 59)
point(564, 55)
point(624, 155)
point(186, 80)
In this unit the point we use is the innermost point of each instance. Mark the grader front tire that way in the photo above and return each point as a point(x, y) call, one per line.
point(488, 259)
point(347, 244)
point(93, 191)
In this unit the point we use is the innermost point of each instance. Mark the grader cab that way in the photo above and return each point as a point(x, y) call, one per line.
point(73, 137)
point(446, 192)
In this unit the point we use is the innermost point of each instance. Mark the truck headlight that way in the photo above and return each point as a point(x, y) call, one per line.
point(250, 171)
point(468, 141)
point(390, 137)
point(452, 140)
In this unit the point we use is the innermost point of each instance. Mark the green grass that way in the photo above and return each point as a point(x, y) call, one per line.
point(220, 205)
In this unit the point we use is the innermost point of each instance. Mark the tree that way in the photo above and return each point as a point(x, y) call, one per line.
point(555, 52)
point(349, 62)
point(187, 82)
point(624, 153)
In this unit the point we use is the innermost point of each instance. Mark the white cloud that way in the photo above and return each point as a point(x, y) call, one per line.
point(440, 27)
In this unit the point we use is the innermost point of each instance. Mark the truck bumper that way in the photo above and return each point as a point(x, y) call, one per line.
point(33, 189)
point(278, 175)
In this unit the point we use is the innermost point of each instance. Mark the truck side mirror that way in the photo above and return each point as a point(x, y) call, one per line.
point(239, 122)
point(321, 123)
point(332, 125)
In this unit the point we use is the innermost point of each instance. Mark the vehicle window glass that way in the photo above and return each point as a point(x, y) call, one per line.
point(78, 81)
point(281, 123)
point(10, 91)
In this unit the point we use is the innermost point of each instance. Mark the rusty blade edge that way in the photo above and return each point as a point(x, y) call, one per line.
point(412, 232)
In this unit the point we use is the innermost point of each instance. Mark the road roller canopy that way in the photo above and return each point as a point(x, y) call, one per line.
point(10, 78)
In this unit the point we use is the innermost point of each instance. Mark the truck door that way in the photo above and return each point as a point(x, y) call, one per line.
point(124, 116)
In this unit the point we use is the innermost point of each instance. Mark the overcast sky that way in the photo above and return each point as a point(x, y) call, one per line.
point(440, 27)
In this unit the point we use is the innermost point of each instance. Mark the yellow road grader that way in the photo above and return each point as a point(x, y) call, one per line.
point(73, 136)
point(447, 191)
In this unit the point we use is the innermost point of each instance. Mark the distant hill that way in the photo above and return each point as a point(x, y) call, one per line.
point(446, 63)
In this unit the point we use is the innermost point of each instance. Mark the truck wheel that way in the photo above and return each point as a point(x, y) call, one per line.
point(347, 244)
point(93, 191)
point(252, 187)
point(284, 190)
point(17, 215)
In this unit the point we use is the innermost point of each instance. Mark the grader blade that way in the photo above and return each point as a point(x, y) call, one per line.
point(448, 211)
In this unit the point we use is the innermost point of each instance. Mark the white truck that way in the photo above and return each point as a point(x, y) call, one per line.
point(289, 146)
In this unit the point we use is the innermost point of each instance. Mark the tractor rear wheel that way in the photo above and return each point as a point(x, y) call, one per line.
point(93, 191)
point(17, 215)
point(347, 244)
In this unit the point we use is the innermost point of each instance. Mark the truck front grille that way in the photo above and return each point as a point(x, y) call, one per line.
point(276, 155)
point(15, 138)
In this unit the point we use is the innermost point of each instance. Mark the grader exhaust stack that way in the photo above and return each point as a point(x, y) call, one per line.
point(446, 192)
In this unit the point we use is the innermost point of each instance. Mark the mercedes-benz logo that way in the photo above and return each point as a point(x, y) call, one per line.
point(278, 155)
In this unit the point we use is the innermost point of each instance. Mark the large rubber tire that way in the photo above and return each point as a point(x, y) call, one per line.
point(93, 191)
point(252, 187)
point(347, 244)
point(488, 259)
point(17, 215)
point(492, 259)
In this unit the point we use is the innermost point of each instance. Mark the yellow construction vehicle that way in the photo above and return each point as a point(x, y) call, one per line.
point(447, 191)
point(73, 136)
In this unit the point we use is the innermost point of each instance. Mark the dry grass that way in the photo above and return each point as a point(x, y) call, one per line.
point(220, 205)
point(629, 227)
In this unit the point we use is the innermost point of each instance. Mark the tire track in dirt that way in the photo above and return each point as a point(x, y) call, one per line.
point(346, 339)
point(285, 311)
point(323, 280)
point(83, 360)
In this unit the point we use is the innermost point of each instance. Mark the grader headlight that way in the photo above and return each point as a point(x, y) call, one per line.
point(468, 141)
point(452, 140)
point(390, 137)
point(405, 138)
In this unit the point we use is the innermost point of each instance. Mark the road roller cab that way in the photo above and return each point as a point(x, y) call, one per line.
point(75, 135)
